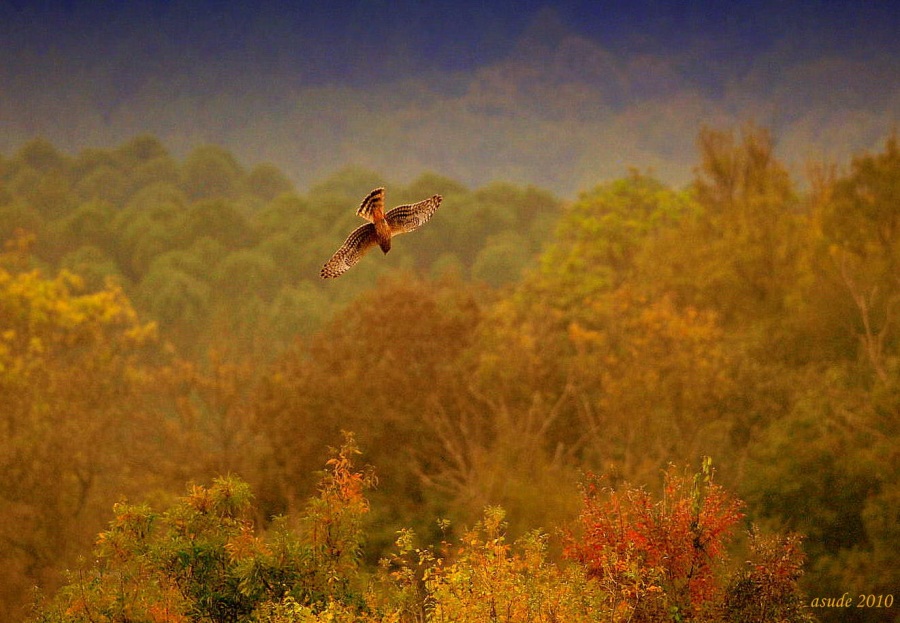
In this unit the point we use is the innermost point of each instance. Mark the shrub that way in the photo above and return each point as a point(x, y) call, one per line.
point(634, 559)
point(667, 560)
point(204, 560)
point(488, 578)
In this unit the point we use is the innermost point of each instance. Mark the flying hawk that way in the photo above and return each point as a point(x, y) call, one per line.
point(379, 230)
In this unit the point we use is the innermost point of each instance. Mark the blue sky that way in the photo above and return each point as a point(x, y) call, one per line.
point(459, 34)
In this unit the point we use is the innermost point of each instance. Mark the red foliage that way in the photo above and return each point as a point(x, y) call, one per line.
point(658, 558)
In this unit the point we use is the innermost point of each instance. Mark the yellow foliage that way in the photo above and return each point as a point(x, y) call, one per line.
point(73, 376)
point(491, 579)
point(657, 377)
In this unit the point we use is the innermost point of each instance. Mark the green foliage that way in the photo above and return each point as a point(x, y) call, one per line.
point(136, 204)
point(597, 240)
point(203, 559)
point(828, 462)
point(173, 296)
point(267, 182)
point(863, 214)
point(41, 156)
point(95, 267)
point(828, 470)
point(502, 259)
point(862, 225)
point(211, 173)
point(243, 274)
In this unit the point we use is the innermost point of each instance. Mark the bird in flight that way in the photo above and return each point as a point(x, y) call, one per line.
point(382, 226)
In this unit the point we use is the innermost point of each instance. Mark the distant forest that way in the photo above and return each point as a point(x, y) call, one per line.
point(162, 322)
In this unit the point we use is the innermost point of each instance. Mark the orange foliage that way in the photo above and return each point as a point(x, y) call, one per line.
point(658, 557)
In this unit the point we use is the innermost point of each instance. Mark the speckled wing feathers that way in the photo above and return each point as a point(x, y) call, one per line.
point(406, 218)
point(358, 242)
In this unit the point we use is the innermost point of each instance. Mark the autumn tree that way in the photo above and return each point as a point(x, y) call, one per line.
point(736, 252)
point(656, 383)
point(411, 368)
point(667, 559)
point(630, 376)
point(210, 422)
point(376, 369)
point(862, 223)
point(489, 576)
point(847, 398)
point(631, 558)
point(73, 371)
point(600, 236)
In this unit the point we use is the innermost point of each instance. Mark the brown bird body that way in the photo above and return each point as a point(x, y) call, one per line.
point(382, 229)
point(382, 226)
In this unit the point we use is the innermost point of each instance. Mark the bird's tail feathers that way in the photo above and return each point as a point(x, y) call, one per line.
point(373, 201)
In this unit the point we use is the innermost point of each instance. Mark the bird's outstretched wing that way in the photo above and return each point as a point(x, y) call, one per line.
point(374, 201)
point(358, 242)
point(406, 218)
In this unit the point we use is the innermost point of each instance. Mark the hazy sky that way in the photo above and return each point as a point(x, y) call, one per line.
point(508, 90)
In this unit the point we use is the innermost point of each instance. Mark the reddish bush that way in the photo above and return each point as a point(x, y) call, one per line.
point(659, 560)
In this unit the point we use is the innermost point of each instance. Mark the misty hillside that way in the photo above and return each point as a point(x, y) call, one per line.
point(547, 97)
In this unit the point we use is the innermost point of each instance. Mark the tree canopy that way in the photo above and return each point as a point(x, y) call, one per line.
point(162, 322)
